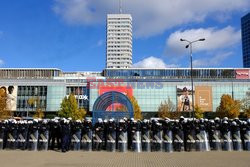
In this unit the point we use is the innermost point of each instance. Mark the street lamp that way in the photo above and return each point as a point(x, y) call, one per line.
point(189, 45)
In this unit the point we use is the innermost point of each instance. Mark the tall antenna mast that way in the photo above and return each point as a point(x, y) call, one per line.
point(120, 6)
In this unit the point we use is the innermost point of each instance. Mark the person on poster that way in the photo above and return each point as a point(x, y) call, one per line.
point(11, 99)
point(185, 100)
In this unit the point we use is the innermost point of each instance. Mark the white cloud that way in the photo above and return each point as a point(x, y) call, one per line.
point(216, 39)
point(212, 61)
point(1, 62)
point(152, 62)
point(151, 17)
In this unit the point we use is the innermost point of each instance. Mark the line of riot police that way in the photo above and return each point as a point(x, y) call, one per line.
point(126, 134)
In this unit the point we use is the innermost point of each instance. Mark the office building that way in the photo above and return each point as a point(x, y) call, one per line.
point(119, 41)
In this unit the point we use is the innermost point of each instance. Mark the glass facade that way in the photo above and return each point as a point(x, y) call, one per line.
point(26, 93)
point(151, 94)
point(171, 73)
point(55, 95)
point(82, 95)
point(150, 87)
point(245, 33)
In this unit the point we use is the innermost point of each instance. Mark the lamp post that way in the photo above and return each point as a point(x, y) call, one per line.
point(189, 45)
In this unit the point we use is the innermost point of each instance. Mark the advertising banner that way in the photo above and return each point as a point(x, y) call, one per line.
point(203, 97)
point(184, 98)
point(242, 74)
point(126, 90)
point(10, 93)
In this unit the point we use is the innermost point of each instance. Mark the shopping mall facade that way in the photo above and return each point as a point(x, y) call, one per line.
point(150, 87)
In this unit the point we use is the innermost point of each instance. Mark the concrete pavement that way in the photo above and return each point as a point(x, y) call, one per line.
point(106, 159)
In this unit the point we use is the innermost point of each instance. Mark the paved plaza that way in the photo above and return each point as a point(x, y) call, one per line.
point(105, 159)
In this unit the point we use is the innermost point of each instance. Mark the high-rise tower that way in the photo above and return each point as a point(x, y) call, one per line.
point(245, 32)
point(119, 40)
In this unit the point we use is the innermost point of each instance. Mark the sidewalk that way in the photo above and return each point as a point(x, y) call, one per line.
point(105, 159)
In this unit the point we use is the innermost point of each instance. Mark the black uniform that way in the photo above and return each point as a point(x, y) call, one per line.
point(111, 136)
point(55, 135)
point(178, 137)
point(236, 137)
point(11, 136)
point(98, 136)
point(22, 134)
point(76, 130)
point(43, 138)
point(33, 136)
point(122, 136)
point(145, 133)
point(86, 141)
point(66, 132)
point(189, 137)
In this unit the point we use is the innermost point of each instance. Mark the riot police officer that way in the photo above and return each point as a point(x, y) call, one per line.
point(145, 133)
point(178, 136)
point(86, 141)
point(190, 135)
point(245, 131)
point(167, 135)
point(43, 138)
point(66, 132)
point(76, 130)
point(236, 136)
point(33, 135)
point(2, 133)
point(226, 136)
point(122, 136)
point(136, 135)
point(55, 134)
point(22, 133)
point(111, 136)
point(11, 134)
point(214, 134)
point(98, 135)
point(204, 132)
point(156, 144)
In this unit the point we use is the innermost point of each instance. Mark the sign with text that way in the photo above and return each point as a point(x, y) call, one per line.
point(203, 97)
point(242, 74)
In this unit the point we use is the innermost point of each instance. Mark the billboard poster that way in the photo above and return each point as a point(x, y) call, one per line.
point(242, 74)
point(184, 98)
point(126, 90)
point(10, 93)
point(203, 97)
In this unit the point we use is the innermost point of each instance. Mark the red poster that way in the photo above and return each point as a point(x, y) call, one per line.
point(242, 74)
point(126, 90)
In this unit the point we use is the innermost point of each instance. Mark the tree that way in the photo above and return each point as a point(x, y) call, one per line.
point(136, 108)
point(175, 115)
point(39, 113)
point(245, 105)
point(247, 112)
point(35, 102)
point(198, 112)
point(69, 108)
point(166, 108)
point(228, 107)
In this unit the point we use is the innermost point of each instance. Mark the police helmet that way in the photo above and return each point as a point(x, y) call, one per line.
point(225, 118)
point(121, 120)
point(234, 123)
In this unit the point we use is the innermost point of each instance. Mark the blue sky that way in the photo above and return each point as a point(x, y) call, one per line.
point(70, 34)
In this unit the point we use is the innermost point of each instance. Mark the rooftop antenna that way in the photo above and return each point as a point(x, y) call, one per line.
point(120, 6)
